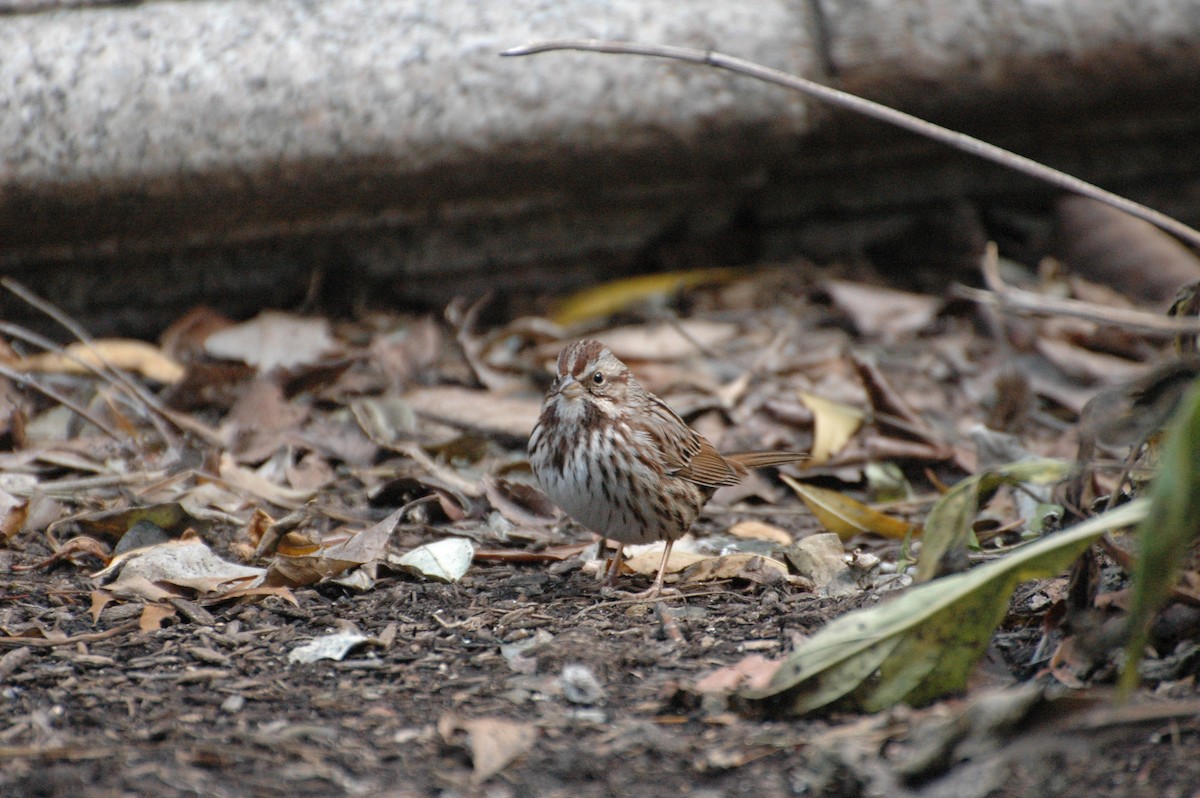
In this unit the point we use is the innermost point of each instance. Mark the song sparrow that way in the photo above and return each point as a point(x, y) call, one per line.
point(623, 464)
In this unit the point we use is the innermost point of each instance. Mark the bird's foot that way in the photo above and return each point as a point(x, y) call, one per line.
point(656, 590)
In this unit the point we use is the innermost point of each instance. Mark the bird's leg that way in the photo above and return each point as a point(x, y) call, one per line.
point(614, 563)
point(656, 587)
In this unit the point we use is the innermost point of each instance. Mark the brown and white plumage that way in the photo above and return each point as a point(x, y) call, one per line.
point(620, 462)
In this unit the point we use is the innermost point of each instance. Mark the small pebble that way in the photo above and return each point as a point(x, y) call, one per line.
point(580, 685)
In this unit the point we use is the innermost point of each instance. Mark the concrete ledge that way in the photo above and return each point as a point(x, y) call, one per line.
point(204, 140)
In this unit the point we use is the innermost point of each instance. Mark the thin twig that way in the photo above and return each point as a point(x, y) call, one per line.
point(154, 410)
point(87, 637)
point(875, 110)
point(70, 404)
point(1020, 301)
point(69, 488)
point(111, 373)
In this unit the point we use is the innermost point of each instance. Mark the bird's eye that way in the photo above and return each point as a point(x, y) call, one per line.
point(598, 378)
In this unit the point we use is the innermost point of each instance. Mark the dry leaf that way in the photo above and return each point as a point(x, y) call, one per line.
point(186, 563)
point(184, 338)
point(493, 742)
point(13, 513)
point(465, 408)
point(683, 339)
point(1087, 366)
point(834, 424)
point(519, 503)
point(757, 530)
point(153, 615)
point(273, 340)
point(884, 312)
point(135, 586)
point(384, 419)
point(298, 561)
point(100, 600)
point(647, 560)
point(260, 487)
point(127, 355)
point(333, 646)
point(443, 560)
point(754, 567)
point(312, 473)
point(261, 421)
point(753, 673)
point(845, 516)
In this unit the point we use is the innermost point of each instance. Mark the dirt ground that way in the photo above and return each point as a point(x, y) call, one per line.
point(523, 678)
point(213, 707)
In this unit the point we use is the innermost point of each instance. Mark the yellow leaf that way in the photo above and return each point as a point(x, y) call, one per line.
point(847, 517)
point(834, 424)
point(128, 355)
point(608, 298)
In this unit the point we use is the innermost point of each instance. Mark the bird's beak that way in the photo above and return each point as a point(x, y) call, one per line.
point(569, 387)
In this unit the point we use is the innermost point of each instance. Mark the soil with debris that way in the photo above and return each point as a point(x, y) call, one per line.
point(524, 677)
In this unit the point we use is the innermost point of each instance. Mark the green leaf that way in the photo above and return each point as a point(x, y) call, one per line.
point(923, 643)
point(948, 529)
point(840, 514)
point(1169, 529)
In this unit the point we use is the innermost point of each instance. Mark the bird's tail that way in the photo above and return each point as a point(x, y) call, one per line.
point(763, 459)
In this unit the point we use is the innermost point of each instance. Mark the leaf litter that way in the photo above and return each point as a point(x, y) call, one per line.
point(298, 480)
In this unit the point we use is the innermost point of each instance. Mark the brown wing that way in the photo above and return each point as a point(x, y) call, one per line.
point(688, 454)
point(709, 468)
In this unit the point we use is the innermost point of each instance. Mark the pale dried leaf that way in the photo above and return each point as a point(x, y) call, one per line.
point(13, 513)
point(683, 339)
point(256, 485)
point(261, 421)
point(100, 600)
point(647, 560)
point(884, 312)
point(333, 646)
point(369, 545)
point(444, 560)
point(494, 743)
point(137, 586)
point(273, 340)
point(385, 419)
point(186, 563)
point(757, 530)
point(1088, 366)
point(466, 408)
